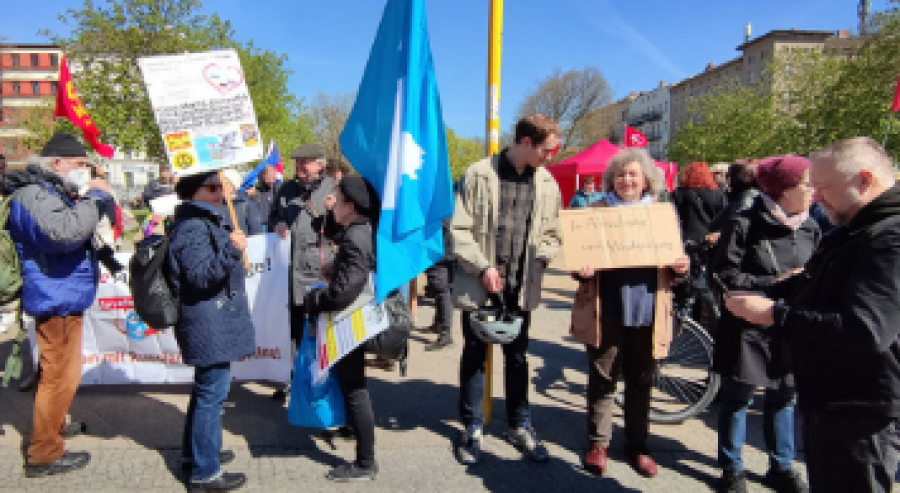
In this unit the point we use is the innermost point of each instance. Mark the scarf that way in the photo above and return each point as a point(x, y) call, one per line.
point(613, 200)
point(794, 222)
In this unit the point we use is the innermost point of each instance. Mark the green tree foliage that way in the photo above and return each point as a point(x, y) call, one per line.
point(462, 152)
point(730, 122)
point(103, 47)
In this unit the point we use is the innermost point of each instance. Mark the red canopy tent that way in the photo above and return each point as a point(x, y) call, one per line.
point(569, 174)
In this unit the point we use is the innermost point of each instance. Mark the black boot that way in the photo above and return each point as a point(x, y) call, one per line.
point(445, 339)
point(226, 481)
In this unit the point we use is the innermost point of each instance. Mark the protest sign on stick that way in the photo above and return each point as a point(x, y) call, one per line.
point(615, 237)
point(203, 110)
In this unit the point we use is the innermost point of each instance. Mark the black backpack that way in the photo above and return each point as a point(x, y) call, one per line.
point(393, 342)
point(154, 300)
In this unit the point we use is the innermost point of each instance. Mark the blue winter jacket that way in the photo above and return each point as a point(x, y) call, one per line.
point(207, 272)
point(53, 237)
point(582, 199)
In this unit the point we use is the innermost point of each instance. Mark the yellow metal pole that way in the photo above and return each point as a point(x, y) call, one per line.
point(492, 146)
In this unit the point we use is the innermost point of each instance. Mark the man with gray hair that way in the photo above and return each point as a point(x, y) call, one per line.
point(840, 318)
point(300, 210)
point(53, 214)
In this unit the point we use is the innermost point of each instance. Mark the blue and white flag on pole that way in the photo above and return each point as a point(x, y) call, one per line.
point(395, 138)
point(273, 159)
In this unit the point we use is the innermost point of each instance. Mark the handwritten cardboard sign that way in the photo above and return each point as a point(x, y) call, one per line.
point(615, 237)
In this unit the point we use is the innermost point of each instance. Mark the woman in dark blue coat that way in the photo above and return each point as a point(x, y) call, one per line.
point(205, 268)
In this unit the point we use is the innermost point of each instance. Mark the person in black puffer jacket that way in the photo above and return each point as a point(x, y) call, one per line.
point(205, 269)
point(771, 241)
point(356, 208)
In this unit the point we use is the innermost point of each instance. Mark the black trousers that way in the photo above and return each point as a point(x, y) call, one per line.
point(439, 278)
point(847, 452)
point(471, 375)
point(351, 375)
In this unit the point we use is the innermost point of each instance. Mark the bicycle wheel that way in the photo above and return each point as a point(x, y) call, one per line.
point(683, 384)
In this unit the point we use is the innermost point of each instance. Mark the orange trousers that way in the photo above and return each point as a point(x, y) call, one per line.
point(59, 344)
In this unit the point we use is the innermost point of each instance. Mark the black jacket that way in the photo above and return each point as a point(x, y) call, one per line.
point(354, 260)
point(735, 204)
point(841, 319)
point(742, 259)
point(696, 210)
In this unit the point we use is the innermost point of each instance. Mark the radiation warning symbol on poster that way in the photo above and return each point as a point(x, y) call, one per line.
point(184, 160)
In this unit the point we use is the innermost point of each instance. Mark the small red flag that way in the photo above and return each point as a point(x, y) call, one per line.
point(896, 105)
point(633, 138)
point(68, 105)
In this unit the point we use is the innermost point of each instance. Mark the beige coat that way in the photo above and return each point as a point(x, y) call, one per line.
point(586, 317)
point(474, 233)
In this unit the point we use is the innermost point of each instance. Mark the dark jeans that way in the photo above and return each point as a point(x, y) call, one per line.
point(847, 452)
point(629, 351)
point(471, 375)
point(203, 427)
point(351, 375)
point(439, 279)
point(778, 424)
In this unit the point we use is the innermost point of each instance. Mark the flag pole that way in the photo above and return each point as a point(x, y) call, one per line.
point(492, 146)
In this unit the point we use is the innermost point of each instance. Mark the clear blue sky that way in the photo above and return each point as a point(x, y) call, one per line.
point(634, 44)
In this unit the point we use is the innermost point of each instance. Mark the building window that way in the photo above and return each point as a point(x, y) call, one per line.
point(54, 60)
point(16, 89)
point(54, 86)
point(15, 60)
point(35, 60)
point(35, 88)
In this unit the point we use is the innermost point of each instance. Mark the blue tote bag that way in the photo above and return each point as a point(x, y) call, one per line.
point(314, 405)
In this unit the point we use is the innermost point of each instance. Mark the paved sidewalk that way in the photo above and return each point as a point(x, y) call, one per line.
point(134, 431)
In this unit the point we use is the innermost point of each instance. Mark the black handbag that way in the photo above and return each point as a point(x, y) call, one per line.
point(393, 342)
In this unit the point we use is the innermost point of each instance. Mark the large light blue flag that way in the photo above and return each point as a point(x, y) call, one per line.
point(395, 138)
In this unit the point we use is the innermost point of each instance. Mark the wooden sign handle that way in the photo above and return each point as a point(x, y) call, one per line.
point(234, 221)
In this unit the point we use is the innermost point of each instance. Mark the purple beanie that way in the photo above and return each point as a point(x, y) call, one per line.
point(780, 173)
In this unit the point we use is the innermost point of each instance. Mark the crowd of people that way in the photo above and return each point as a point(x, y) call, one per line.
point(806, 252)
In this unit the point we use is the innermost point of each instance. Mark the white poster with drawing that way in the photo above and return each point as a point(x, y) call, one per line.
point(203, 110)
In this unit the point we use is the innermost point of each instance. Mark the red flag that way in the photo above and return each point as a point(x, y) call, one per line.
point(896, 105)
point(633, 138)
point(68, 105)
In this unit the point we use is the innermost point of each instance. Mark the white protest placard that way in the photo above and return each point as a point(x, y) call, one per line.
point(617, 237)
point(336, 339)
point(203, 110)
point(119, 348)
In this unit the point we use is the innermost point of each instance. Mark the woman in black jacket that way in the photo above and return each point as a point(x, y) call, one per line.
point(770, 241)
point(698, 200)
point(356, 202)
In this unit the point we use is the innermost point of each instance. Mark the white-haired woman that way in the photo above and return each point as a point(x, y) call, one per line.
point(623, 317)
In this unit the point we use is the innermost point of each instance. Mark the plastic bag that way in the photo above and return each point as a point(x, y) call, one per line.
point(314, 405)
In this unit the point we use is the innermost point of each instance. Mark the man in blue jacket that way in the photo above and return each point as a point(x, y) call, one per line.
point(587, 195)
point(52, 217)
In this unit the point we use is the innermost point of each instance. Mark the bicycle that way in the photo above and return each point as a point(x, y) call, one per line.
point(683, 382)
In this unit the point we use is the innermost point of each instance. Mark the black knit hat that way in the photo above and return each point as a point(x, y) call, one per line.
point(361, 193)
point(63, 145)
point(187, 186)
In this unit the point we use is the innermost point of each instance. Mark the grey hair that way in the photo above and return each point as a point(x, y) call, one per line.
point(45, 163)
point(633, 155)
point(850, 156)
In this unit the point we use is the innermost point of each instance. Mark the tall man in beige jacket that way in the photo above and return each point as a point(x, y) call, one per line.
point(505, 232)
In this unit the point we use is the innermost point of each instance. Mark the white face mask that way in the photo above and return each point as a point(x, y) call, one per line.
point(80, 178)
